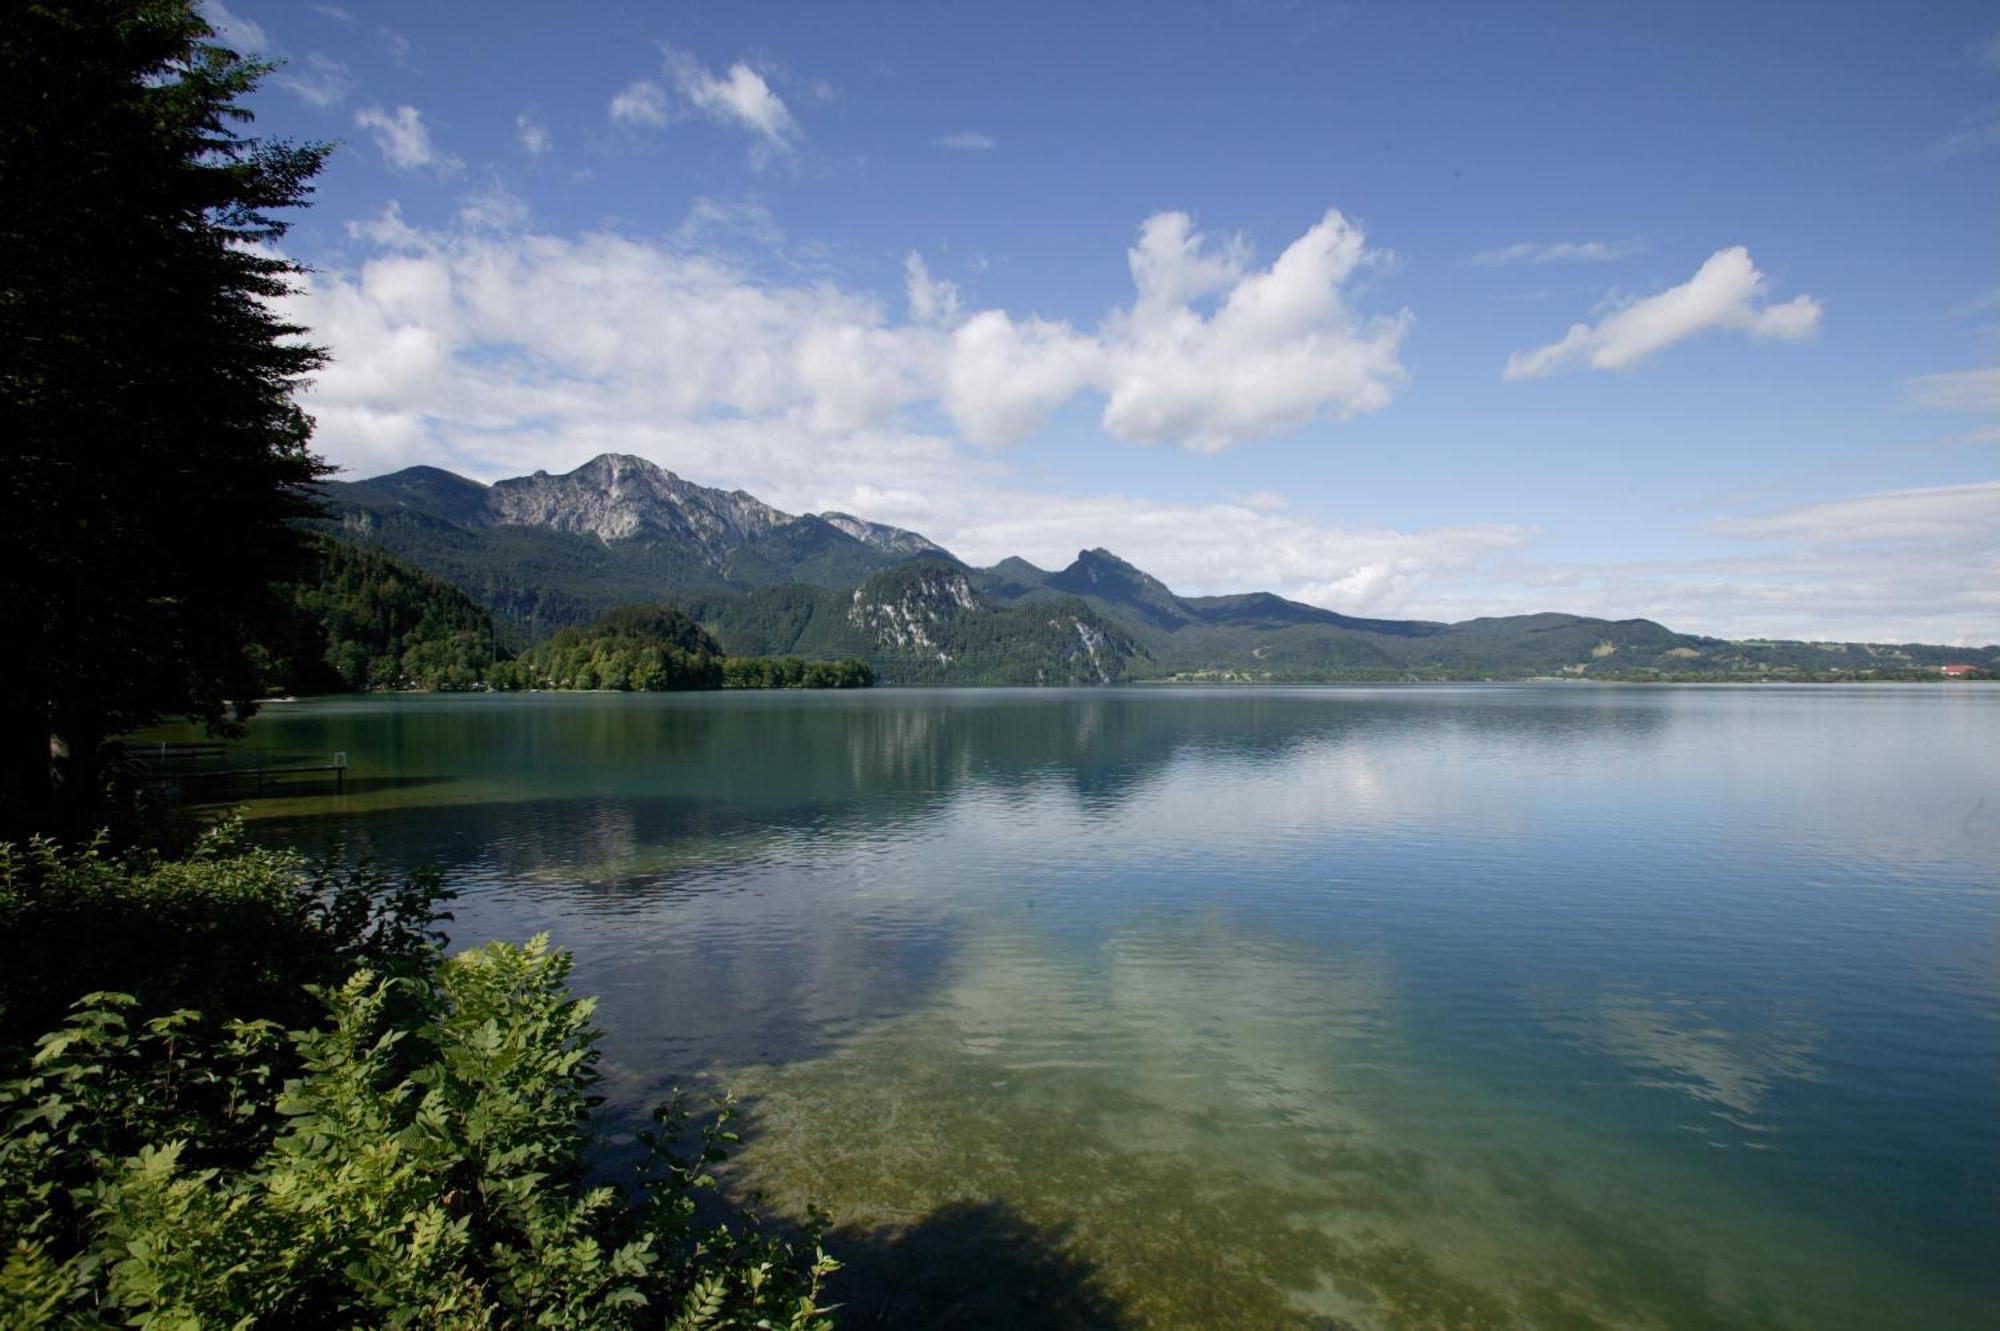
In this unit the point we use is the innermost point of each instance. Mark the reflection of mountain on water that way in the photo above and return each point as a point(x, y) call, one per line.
point(609, 777)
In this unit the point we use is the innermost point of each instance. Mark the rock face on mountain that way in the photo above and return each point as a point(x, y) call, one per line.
point(880, 536)
point(616, 496)
point(543, 552)
point(907, 615)
point(928, 613)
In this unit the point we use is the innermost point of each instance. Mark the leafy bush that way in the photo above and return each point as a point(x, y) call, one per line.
point(229, 928)
point(415, 1157)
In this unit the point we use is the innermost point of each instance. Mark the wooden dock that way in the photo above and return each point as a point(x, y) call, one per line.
point(170, 766)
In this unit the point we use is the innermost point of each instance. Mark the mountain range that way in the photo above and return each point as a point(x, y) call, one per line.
point(544, 552)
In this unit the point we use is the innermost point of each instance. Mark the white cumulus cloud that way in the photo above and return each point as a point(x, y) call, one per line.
point(1005, 375)
point(1725, 293)
point(1212, 351)
point(739, 97)
point(1280, 348)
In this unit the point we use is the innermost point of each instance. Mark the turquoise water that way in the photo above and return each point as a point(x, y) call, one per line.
point(1473, 1006)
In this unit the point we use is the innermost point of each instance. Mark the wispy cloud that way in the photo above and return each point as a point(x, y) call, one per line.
point(1941, 513)
point(493, 208)
point(1724, 293)
point(1560, 251)
point(1974, 391)
point(640, 102)
point(239, 34)
point(320, 80)
point(931, 299)
point(967, 140)
point(1971, 137)
point(1890, 566)
point(405, 141)
point(532, 134)
point(397, 45)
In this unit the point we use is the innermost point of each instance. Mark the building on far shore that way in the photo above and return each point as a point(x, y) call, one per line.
point(1957, 671)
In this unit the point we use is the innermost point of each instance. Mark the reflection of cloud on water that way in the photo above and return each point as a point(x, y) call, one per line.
point(1228, 1125)
point(1706, 1048)
point(1204, 1029)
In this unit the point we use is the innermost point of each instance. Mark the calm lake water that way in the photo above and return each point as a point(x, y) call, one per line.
point(1536, 1006)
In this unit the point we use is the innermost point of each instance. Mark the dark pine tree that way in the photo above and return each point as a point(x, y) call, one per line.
point(155, 462)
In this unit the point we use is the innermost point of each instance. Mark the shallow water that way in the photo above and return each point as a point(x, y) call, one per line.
point(1538, 1006)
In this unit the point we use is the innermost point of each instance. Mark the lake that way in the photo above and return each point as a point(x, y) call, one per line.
point(1537, 1006)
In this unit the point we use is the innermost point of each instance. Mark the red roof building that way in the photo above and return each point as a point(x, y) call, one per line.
point(1957, 671)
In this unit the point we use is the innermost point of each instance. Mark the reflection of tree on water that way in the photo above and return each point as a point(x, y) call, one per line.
point(971, 1264)
point(721, 765)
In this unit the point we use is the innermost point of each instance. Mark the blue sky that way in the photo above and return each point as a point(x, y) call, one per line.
point(1684, 311)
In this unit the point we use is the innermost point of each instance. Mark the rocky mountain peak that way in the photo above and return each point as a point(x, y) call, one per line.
point(615, 496)
point(1101, 574)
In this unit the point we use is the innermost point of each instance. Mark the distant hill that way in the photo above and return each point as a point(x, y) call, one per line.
point(546, 552)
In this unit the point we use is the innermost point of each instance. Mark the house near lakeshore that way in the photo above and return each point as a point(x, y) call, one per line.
point(1957, 670)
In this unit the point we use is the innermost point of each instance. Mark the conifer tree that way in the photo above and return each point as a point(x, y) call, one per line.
point(154, 460)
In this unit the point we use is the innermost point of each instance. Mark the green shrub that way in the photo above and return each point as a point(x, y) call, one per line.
point(228, 928)
point(413, 1157)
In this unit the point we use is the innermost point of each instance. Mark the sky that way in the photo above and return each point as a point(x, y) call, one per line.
point(1684, 311)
